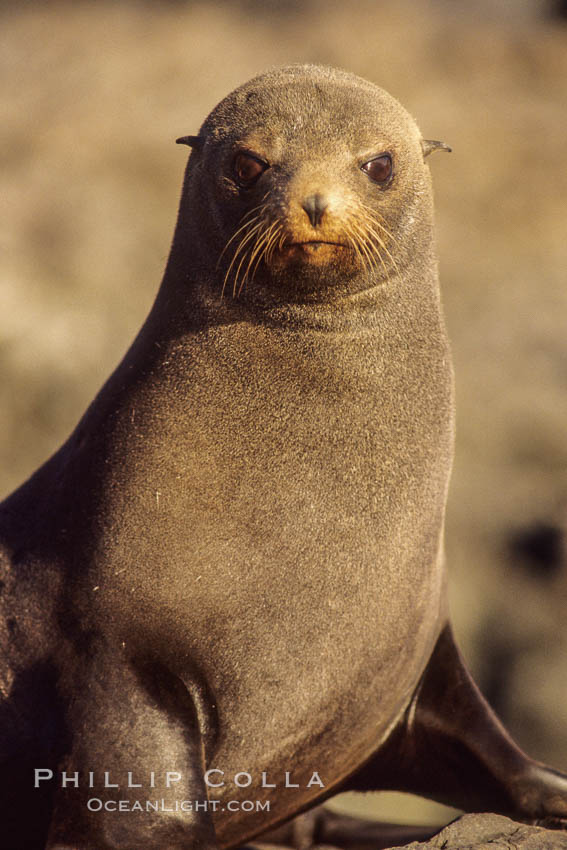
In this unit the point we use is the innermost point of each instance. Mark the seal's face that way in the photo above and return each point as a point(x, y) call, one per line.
point(310, 179)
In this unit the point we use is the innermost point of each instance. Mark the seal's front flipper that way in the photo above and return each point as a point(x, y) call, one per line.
point(451, 747)
point(133, 775)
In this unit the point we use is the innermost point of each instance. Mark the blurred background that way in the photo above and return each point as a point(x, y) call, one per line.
point(95, 95)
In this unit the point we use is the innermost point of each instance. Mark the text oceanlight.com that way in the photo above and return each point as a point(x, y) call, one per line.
point(97, 805)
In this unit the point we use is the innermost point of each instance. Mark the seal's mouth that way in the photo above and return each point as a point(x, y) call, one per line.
point(312, 247)
point(313, 252)
point(315, 244)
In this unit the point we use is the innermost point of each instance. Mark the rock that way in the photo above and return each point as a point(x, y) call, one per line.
point(491, 832)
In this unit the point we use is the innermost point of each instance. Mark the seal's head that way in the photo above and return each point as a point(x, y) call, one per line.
point(307, 182)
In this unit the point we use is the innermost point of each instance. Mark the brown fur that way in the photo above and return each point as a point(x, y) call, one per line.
point(240, 547)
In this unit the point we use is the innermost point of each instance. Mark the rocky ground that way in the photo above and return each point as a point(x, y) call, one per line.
point(491, 832)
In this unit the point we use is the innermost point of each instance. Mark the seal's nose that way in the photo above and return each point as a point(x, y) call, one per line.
point(315, 206)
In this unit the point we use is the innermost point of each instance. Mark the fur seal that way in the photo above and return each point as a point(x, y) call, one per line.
point(234, 567)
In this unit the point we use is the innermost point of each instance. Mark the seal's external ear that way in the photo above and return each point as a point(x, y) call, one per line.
point(195, 142)
point(430, 145)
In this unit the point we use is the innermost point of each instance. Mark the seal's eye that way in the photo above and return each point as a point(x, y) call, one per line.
point(247, 169)
point(380, 169)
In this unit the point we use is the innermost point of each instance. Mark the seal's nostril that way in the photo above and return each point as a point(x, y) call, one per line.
point(315, 206)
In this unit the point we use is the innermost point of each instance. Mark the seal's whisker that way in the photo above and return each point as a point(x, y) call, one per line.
point(251, 249)
point(369, 260)
point(235, 290)
point(242, 247)
point(366, 244)
point(267, 251)
point(272, 246)
point(372, 233)
point(374, 256)
point(248, 224)
point(256, 255)
point(251, 232)
point(374, 247)
point(261, 240)
point(268, 247)
point(354, 242)
point(380, 222)
point(259, 250)
point(379, 244)
point(259, 237)
point(358, 219)
point(253, 228)
point(369, 221)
